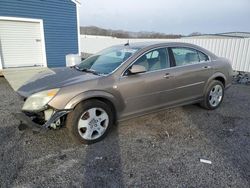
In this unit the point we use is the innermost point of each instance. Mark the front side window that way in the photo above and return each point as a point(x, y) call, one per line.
point(187, 56)
point(154, 60)
point(107, 60)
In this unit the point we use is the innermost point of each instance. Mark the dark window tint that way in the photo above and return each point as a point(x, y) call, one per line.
point(154, 60)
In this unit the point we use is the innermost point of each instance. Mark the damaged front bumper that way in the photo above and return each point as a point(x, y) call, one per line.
point(39, 121)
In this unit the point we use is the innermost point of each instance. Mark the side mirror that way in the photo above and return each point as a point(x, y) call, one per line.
point(135, 69)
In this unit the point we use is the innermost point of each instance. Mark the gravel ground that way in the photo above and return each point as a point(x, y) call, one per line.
point(157, 150)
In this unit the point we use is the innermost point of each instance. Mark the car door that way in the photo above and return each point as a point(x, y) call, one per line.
point(145, 91)
point(190, 73)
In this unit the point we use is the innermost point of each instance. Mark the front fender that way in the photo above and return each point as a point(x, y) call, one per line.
point(93, 94)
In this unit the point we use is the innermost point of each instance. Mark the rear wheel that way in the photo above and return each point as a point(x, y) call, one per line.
point(90, 121)
point(214, 95)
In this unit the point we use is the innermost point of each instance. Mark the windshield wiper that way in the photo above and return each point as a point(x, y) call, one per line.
point(90, 70)
point(76, 67)
point(87, 70)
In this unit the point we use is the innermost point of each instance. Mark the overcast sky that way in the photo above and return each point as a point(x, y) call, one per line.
point(168, 16)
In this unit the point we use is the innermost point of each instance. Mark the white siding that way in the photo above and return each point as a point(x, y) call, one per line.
point(237, 50)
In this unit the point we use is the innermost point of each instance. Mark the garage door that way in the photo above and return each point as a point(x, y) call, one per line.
point(20, 44)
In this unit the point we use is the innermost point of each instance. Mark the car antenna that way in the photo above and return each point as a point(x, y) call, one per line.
point(127, 44)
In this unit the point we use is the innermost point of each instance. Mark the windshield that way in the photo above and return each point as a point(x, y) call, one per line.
point(107, 60)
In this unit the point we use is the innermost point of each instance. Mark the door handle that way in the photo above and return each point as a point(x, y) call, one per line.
point(206, 67)
point(167, 76)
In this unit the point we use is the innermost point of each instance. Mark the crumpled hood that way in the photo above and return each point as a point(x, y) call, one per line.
point(54, 78)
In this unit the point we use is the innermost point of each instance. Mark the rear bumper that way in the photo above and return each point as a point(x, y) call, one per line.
point(28, 120)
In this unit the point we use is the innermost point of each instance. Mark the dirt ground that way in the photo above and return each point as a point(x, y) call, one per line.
point(158, 150)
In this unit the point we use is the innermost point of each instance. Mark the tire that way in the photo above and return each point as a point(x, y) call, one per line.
point(90, 121)
point(214, 90)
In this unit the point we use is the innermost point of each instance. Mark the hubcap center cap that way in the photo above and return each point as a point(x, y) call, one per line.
point(93, 122)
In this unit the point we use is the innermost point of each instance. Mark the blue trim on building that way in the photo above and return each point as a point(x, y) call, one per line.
point(60, 24)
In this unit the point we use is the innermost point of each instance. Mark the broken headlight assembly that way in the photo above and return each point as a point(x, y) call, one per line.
point(38, 101)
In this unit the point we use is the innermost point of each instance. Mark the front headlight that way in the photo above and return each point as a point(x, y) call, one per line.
point(38, 101)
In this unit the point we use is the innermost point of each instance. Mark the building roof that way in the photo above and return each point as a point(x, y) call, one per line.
point(222, 35)
point(236, 34)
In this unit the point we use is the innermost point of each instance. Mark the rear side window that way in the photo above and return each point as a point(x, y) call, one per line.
point(187, 56)
point(202, 56)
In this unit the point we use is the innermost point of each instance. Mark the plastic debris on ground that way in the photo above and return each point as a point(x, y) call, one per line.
point(205, 161)
point(242, 78)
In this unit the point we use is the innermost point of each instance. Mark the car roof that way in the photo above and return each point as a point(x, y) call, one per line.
point(144, 44)
point(155, 44)
point(152, 43)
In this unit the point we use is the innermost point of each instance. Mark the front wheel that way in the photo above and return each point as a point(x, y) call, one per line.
point(213, 96)
point(90, 121)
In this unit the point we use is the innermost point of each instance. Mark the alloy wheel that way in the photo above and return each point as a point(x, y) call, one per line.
point(215, 95)
point(93, 123)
